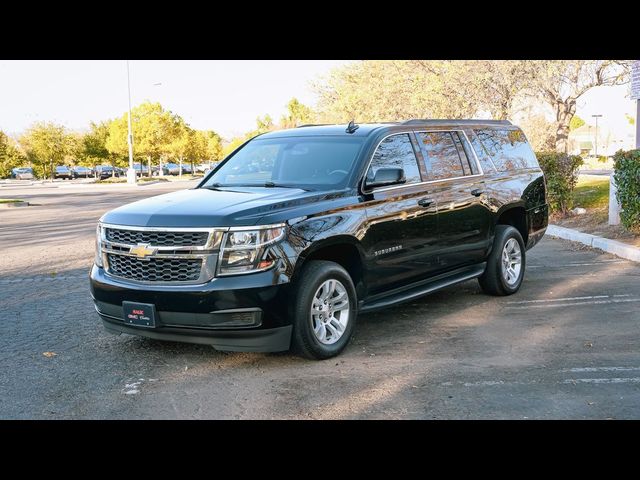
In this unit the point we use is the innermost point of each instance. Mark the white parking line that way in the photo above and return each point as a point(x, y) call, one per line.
point(593, 302)
point(603, 380)
point(600, 369)
point(586, 264)
point(563, 299)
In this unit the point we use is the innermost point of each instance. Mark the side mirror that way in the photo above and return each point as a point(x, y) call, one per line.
point(385, 177)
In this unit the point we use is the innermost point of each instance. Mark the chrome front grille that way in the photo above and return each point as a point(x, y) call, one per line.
point(156, 238)
point(155, 269)
point(155, 255)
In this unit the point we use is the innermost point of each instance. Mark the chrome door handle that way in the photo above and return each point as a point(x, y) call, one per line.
point(425, 202)
point(477, 192)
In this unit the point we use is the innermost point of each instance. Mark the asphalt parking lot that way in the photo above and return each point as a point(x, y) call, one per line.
point(566, 346)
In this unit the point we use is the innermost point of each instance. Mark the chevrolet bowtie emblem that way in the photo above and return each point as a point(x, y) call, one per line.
point(142, 250)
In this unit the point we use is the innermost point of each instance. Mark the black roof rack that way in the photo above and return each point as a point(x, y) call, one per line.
point(313, 125)
point(418, 121)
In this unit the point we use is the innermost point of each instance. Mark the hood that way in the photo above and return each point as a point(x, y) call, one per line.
point(225, 207)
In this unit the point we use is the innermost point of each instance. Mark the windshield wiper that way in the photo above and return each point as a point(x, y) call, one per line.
point(279, 185)
point(213, 186)
point(243, 185)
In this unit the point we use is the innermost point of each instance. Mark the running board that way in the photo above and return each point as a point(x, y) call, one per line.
point(419, 289)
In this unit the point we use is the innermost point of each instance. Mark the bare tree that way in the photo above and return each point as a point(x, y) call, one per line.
point(562, 82)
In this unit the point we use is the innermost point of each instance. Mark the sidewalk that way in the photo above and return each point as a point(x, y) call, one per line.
point(614, 247)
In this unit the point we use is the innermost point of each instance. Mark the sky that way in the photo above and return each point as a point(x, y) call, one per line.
point(224, 96)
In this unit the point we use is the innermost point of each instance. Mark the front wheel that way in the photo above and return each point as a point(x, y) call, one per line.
point(506, 264)
point(324, 311)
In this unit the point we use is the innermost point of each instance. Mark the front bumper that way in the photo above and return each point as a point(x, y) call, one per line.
point(241, 313)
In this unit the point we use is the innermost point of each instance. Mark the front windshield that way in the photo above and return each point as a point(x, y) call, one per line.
point(315, 163)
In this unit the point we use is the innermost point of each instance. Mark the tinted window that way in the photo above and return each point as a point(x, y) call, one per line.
point(307, 162)
point(396, 151)
point(442, 157)
point(509, 149)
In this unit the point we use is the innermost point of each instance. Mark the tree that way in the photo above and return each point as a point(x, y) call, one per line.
point(154, 130)
point(575, 123)
point(10, 155)
point(561, 83)
point(198, 147)
point(265, 124)
point(94, 149)
point(214, 146)
point(487, 85)
point(382, 90)
point(297, 114)
point(539, 131)
point(46, 144)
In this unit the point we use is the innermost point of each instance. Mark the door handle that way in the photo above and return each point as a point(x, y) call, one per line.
point(425, 202)
point(477, 192)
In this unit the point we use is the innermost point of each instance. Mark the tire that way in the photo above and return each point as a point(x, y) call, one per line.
point(314, 283)
point(497, 279)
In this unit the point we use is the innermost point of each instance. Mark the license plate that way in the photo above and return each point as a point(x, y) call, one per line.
point(139, 314)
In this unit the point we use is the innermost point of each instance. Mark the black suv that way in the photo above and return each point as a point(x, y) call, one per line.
point(298, 231)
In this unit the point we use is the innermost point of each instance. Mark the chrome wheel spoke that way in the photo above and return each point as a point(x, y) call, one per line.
point(511, 261)
point(329, 311)
point(335, 329)
point(320, 331)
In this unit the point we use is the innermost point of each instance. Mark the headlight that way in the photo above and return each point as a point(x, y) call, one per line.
point(244, 250)
point(98, 258)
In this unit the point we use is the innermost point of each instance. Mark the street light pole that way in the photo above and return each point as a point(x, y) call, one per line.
point(131, 173)
point(596, 117)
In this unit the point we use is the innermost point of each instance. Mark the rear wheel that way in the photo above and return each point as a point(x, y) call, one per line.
point(324, 311)
point(506, 264)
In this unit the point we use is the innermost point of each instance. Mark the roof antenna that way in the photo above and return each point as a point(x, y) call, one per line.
point(352, 127)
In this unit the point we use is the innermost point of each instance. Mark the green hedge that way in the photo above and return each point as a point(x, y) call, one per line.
point(627, 177)
point(561, 173)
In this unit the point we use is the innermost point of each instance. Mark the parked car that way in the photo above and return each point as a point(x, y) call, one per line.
point(141, 169)
point(106, 171)
point(301, 230)
point(186, 169)
point(203, 167)
point(63, 172)
point(22, 173)
point(81, 172)
point(170, 169)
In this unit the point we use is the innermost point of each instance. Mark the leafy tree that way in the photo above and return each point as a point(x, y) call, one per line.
point(297, 114)
point(575, 123)
point(154, 130)
point(198, 147)
point(382, 90)
point(10, 155)
point(46, 144)
point(93, 147)
point(214, 145)
point(265, 124)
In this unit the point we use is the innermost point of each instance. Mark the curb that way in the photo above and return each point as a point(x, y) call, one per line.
point(614, 247)
point(14, 204)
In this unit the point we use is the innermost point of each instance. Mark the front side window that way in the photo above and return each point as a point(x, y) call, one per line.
point(444, 155)
point(306, 162)
point(396, 151)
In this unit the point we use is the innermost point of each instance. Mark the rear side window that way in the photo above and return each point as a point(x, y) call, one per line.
point(396, 151)
point(508, 149)
point(444, 155)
